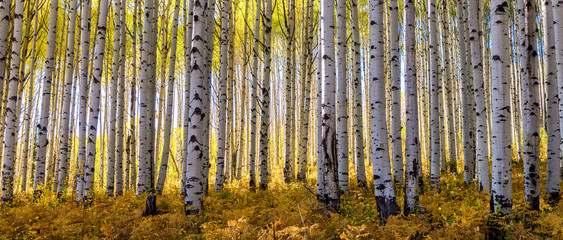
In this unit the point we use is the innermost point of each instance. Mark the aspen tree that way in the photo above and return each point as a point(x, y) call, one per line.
point(435, 94)
point(222, 112)
point(396, 142)
point(342, 95)
point(10, 131)
point(198, 119)
point(94, 105)
point(265, 95)
point(501, 189)
point(357, 78)
point(254, 97)
point(554, 167)
point(553, 128)
point(42, 140)
point(170, 101)
point(65, 123)
point(383, 181)
point(188, 30)
point(412, 142)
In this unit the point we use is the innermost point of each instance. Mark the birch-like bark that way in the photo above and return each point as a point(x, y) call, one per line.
point(170, 106)
point(265, 94)
point(482, 156)
point(198, 120)
point(83, 92)
point(94, 105)
point(342, 96)
point(467, 99)
point(529, 74)
point(449, 83)
point(383, 180)
point(65, 123)
point(501, 189)
point(146, 110)
point(290, 96)
point(554, 167)
point(306, 98)
point(5, 6)
point(188, 31)
point(31, 90)
point(254, 97)
point(435, 94)
point(357, 78)
point(119, 149)
point(395, 70)
point(42, 141)
point(329, 195)
point(10, 136)
point(222, 113)
point(112, 119)
point(553, 128)
point(412, 142)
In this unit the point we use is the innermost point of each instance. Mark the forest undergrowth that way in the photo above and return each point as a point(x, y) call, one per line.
point(284, 211)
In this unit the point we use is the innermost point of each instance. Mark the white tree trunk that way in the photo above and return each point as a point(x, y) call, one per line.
point(552, 176)
point(12, 121)
point(94, 105)
point(342, 81)
point(198, 119)
point(83, 91)
point(112, 119)
point(265, 94)
point(188, 30)
point(553, 128)
point(467, 100)
point(42, 140)
point(290, 97)
point(120, 107)
point(435, 94)
point(396, 142)
point(222, 112)
point(412, 142)
point(482, 156)
point(65, 123)
point(329, 195)
point(501, 189)
point(254, 98)
point(383, 180)
point(170, 101)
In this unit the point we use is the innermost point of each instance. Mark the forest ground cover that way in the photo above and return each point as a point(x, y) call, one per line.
point(284, 211)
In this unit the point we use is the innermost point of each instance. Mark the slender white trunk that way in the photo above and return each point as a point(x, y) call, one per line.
point(170, 106)
point(482, 157)
point(83, 91)
point(501, 189)
point(188, 30)
point(467, 99)
point(120, 107)
point(529, 67)
point(222, 112)
point(342, 81)
point(65, 123)
point(94, 104)
point(10, 136)
point(328, 165)
point(554, 171)
point(553, 128)
point(383, 180)
point(290, 97)
point(357, 79)
point(5, 6)
point(112, 119)
point(435, 94)
point(198, 119)
point(42, 140)
point(265, 94)
point(412, 142)
point(396, 142)
point(254, 98)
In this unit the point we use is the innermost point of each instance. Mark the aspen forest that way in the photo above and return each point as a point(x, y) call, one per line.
point(281, 119)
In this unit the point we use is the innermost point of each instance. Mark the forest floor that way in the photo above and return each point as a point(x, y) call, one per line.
point(284, 211)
